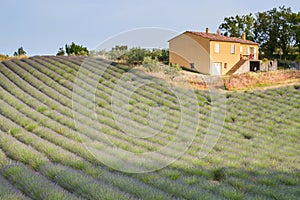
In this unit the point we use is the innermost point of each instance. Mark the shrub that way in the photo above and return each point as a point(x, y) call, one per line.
point(265, 60)
point(297, 87)
point(161, 54)
point(297, 58)
point(116, 53)
point(172, 71)
point(150, 64)
point(136, 56)
point(219, 174)
point(61, 52)
point(4, 57)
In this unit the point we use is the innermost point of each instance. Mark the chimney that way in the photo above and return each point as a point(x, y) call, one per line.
point(207, 30)
point(244, 36)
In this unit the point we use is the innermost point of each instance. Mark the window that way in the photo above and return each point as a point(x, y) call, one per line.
point(192, 65)
point(225, 65)
point(241, 49)
point(217, 48)
point(232, 49)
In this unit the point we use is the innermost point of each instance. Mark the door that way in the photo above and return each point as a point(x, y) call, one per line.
point(216, 69)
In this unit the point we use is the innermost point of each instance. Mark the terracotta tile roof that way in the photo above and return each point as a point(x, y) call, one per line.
point(218, 37)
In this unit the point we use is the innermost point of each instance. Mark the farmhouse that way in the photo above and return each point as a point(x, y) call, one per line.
point(214, 54)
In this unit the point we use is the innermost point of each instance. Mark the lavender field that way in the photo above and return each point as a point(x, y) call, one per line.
point(43, 156)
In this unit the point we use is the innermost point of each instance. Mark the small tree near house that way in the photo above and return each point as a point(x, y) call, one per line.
point(150, 64)
point(172, 71)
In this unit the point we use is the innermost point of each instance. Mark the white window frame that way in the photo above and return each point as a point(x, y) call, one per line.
point(232, 48)
point(217, 48)
point(241, 49)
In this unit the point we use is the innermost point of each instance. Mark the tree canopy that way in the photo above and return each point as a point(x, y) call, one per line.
point(136, 55)
point(73, 50)
point(20, 52)
point(235, 26)
point(277, 30)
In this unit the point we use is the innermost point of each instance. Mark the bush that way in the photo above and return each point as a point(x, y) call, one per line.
point(150, 64)
point(297, 59)
point(219, 174)
point(283, 64)
point(4, 57)
point(161, 54)
point(116, 53)
point(61, 52)
point(136, 56)
point(265, 60)
point(172, 70)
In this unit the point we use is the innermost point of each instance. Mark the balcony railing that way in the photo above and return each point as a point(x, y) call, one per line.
point(247, 56)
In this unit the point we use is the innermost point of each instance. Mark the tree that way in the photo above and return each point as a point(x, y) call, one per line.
point(150, 64)
point(135, 56)
point(161, 54)
point(265, 32)
point(61, 52)
point(276, 30)
point(76, 50)
point(296, 29)
point(284, 19)
point(236, 26)
point(118, 52)
point(20, 52)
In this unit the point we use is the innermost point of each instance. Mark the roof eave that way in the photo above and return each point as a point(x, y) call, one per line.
point(177, 36)
point(240, 42)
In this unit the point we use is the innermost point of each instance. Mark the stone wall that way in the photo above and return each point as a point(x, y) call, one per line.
point(271, 65)
point(244, 68)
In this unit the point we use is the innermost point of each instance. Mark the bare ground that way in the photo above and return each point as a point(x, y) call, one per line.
point(248, 81)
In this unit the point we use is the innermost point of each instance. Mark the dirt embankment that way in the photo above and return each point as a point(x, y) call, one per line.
point(261, 80)
point(6, 57)
point(247, 81)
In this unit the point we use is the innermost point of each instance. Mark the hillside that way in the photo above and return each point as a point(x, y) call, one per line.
point(43, 152)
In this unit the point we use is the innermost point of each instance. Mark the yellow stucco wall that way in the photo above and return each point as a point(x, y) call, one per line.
point(188, 48)
point(226, 56)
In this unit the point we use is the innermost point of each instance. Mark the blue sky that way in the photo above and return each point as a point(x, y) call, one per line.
point(41, 27)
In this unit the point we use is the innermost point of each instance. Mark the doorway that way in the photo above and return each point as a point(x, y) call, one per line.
point(254, 66)
point(216, 69)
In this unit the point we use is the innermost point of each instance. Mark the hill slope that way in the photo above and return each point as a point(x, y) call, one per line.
point(42, 154)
